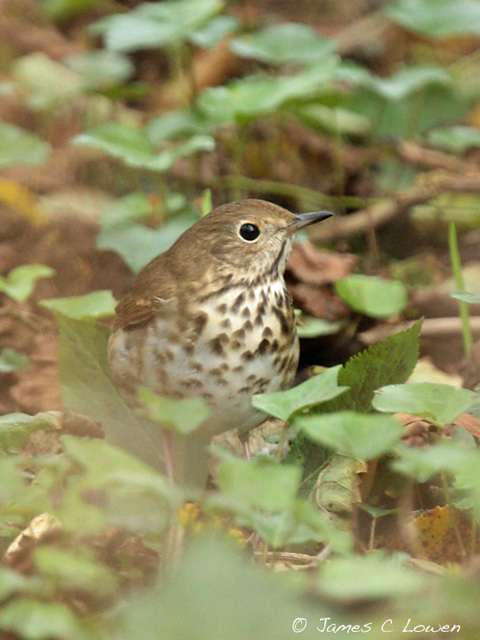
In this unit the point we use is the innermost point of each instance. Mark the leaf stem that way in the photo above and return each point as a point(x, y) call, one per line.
point(459, 283)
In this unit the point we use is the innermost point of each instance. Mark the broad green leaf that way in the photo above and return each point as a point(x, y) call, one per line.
point(323, 118)
point(463, 209)
point(421, 464)
point(96, 305)
point(213, 577)
point(439, 403)
point(160, 24)
point(285, 404)
point(137, 244)
point(308, 327)
point(465, 296)
point(178, 124)
point(34, 619)
point(181, 416)
point(13, 483)
point(246, 99)
point(283, 44)
point(132, 146)
point(12, 582)
point(370, 577)
point(100, 69)
point(406, 81)
point(16, 428)
point(455, 139)
point(215, 31)
point(88, 389)
point(12, 360)
point(437, 18)
point(373, 296)
point(18, 146)
point(263, 484)
point(390, 361)
point(352, 434)
point(20, 282)
point(77, 571)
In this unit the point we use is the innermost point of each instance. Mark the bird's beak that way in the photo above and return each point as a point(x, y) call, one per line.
point(304, 219)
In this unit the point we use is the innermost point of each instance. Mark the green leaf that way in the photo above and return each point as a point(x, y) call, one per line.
point(20, 282)
point(437, 18)
point(132, 146)
point(181, 416)
point(439, 403)
point(137, 244)
point(215, 31)
point(246, 99)
point(18, 146)
point(16, 428)
point(152, 25)
point(99, 69)
point(87, 389)
point(36, 620)
point(465, 296)
point(12, 582)
point(213, 577)
point(373, 296)
point(98, 304)
point(421, 464)
point(283, 44)
point(352, 434)
point(12, 360)
point(390, 361)
point(76, 570)
point(285, 404)
point(455, 139)
point(13, 483)
point(308, 327)
point(178, 124)
point(407, 81)
point(371, 577)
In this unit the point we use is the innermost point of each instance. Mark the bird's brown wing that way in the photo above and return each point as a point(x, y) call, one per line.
point(152, 289)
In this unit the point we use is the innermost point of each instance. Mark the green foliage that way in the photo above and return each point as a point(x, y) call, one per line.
point(282, 44)
point(62, 9)
point(456, 139)
point(372, 296)
point(132, 146)
point(241, 101)
point(438, 18)
point(352, 434)
point(285, 404)
point(100, 70)
point(149, 26)
point(15, 428)
point(95, 305)
point(308, 327)
point(465, 296)
point(181, 416)
point(121, 231)
point(439, 403)
point(18, 146)
point(20, 282)
point(390, 361)
point(12, 360)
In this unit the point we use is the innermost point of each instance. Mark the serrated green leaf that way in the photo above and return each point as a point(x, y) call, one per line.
point(352, 434)
point(390, 361)
point(373, 296)
point(12, 360)
point(283, 44)
point(181, 416)
point(285, 404)
point(18, 146)
point(439, 403)
point(20, 282)
point(96, 305)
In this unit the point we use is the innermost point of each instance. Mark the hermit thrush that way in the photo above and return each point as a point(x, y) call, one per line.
point(212, 318)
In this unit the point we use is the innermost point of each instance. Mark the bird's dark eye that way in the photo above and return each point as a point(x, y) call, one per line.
point(249, 232)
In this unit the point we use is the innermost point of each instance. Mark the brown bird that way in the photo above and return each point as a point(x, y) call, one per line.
point(211, 318)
